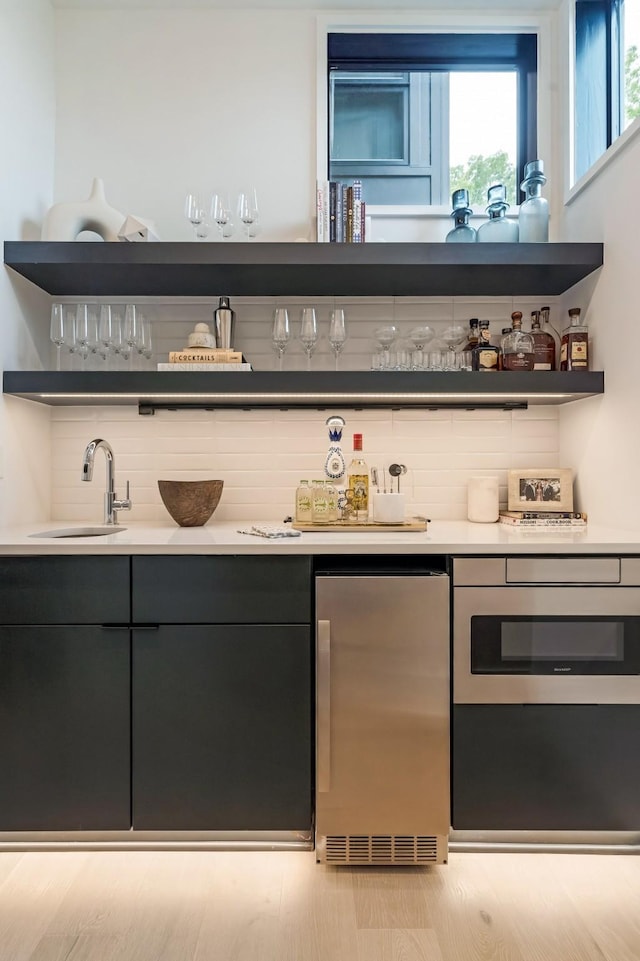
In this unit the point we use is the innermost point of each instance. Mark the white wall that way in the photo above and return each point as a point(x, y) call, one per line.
point(27, 116)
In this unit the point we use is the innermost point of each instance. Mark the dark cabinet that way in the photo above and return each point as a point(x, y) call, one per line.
point(64, 694)
point(222, 693)
point(546, 767)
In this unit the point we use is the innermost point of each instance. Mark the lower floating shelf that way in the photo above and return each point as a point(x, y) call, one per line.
point(169, 390)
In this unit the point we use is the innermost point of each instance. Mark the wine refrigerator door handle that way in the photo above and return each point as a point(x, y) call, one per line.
point(323, 707)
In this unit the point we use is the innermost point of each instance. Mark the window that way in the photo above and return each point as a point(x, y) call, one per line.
point(607, 80)
point(414, 116)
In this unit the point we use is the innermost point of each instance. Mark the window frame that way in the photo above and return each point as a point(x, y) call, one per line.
point(435, 51)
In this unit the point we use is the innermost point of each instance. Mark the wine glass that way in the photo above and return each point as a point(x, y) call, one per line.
point(308, 332)
point(337, 331)
point(86, 331)
point(419, 337)
point(132, 330)
point(248, 210)
point(385, 336)
point(57, 330)
point(196, 213)
point(221, 215)
point(280, 332)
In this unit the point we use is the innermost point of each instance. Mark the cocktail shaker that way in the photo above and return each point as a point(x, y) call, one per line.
point(224, 322)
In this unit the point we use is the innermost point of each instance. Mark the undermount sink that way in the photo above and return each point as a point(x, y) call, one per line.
point(80, 532)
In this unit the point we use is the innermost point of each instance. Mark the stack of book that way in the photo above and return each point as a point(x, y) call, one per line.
point(544, 520)
point(341, 213)
point(205, 358)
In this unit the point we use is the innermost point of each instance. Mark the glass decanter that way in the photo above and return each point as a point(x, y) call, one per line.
point(497, 229)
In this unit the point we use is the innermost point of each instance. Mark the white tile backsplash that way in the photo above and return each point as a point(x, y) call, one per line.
point(262, 454)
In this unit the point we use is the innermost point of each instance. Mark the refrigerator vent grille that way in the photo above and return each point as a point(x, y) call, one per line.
point(381, 849)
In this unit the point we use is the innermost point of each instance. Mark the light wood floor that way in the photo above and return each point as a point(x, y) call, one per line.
point(241, 906)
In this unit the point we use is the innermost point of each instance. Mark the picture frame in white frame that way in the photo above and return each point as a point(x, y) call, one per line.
point(540, 489)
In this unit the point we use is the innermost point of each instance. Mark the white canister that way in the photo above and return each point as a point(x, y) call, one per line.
point(388, 508)
point(482, 500)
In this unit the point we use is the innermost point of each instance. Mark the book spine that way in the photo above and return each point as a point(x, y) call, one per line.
point(208, 367)
point(195, 357)
point(339, 212)
point(332, 211)
point(545, 515)
point(357, 211)
point(541, 524)
point(349, 229)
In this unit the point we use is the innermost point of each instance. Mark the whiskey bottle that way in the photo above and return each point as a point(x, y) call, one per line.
point(358, 481)
point(517, 348)
point(544, 347)
point(550, 329)
point(485, 354)
point(505, 332)
point(472, 340)
point(574, 348)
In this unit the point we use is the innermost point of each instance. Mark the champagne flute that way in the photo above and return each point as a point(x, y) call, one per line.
point(248, 210)
point(132, 330)
point(145, 347)
point(221, 215)
point(86, 331)
point(196, 214)
point(57, 330)
point(308, 332)
point(337, 331)
point(280, 332)
point(106, 331)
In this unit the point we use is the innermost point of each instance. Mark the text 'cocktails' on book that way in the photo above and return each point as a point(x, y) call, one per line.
point(210, 368)
point(204, 356)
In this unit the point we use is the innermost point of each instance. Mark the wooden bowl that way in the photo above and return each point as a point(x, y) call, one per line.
point(190, 503)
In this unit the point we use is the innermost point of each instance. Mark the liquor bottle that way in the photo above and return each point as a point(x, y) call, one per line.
point(358, 481)
point(574, 348)
point(505, 332)
point(334, 465)
point(303, 503)
point(472, 340)
point(544, 347)
point(533, 218)
point(497, 229)
point(333, 512)
point(485, 354)
point(461, 233)
point(517, 349)
point(550, 329)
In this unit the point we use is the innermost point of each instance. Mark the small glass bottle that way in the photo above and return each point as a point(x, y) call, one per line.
point(303, 503)
point(574, 348)
point(320, 503)
point(517, 349)
point(544, 348)
point(472, 340)
point(550, 329)
point(333, 512)
point(461, 233)
point(358, 481)
point(534, 210)
point(485, 354)
point(497, 229)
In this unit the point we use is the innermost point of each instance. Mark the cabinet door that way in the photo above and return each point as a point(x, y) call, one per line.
point(64, 728)
point(222, 728)
point(546, 767)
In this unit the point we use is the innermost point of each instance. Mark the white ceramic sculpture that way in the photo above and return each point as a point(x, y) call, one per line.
point(66, 220)
point(136, 229)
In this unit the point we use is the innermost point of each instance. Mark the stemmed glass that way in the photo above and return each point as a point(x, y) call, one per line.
point(248, 210)
point(132, 330)
point(196, 213)
point(308, 332)
point(57, 330)
point(385, 337)
point(106, 331)
point(337, 331)
point(280, 332)
point(86, 331)
point(453, 336)
point(120, 345)
point(145, 344)
point(419, 337)
point(221, 215)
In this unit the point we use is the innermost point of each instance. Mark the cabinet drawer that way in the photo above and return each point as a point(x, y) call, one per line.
point(64, 590)
point(222, 590)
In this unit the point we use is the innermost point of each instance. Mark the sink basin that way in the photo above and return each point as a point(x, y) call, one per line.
point(80, 532)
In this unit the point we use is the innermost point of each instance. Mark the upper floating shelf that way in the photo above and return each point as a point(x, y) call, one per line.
point(299, 269)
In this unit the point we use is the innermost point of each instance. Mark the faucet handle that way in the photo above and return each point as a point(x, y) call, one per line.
point(123, 505)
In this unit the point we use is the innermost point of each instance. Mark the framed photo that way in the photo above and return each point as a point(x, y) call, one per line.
point(550, 489)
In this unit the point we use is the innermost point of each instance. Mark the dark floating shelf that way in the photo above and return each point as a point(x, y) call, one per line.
point(299, 269)
point(152, 390)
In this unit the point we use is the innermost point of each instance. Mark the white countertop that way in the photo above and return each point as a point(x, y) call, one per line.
point(442, 537)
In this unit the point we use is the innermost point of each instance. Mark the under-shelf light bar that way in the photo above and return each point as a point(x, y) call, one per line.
point(299, 397)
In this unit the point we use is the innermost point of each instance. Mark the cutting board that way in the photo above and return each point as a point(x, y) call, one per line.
point(413, 524)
